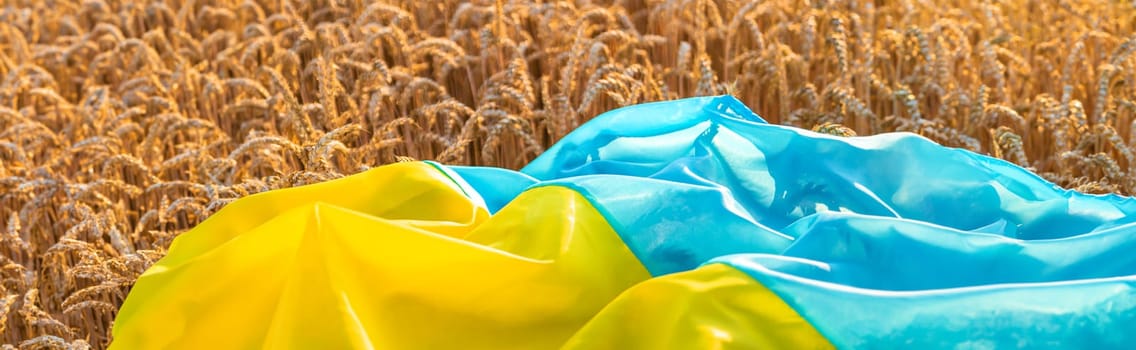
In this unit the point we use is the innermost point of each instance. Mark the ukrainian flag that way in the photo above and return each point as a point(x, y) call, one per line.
point(687, 224)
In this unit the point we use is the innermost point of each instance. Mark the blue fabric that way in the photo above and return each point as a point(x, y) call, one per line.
point(496, 186)
point(871, 283)
point(1093, 313)
point(881, 241)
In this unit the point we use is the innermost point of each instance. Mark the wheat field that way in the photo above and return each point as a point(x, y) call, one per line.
point(125, 123)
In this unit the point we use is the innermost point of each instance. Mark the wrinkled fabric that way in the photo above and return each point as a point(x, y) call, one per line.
point(685, 224)
point(393, 258)
point(712, 307)
point(879, 241)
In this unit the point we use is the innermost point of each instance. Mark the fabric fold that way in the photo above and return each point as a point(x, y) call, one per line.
point(686, 224)
point(712, 307)
point(407, 271)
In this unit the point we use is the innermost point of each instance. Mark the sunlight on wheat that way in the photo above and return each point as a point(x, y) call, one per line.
point(125, 123)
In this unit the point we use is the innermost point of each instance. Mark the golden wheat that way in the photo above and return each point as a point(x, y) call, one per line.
point(125, 123)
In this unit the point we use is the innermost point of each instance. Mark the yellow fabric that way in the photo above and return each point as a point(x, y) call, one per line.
point(393, 258)
point(712, 307)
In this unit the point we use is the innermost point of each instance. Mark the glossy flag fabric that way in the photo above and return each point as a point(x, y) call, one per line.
point(686, 224)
